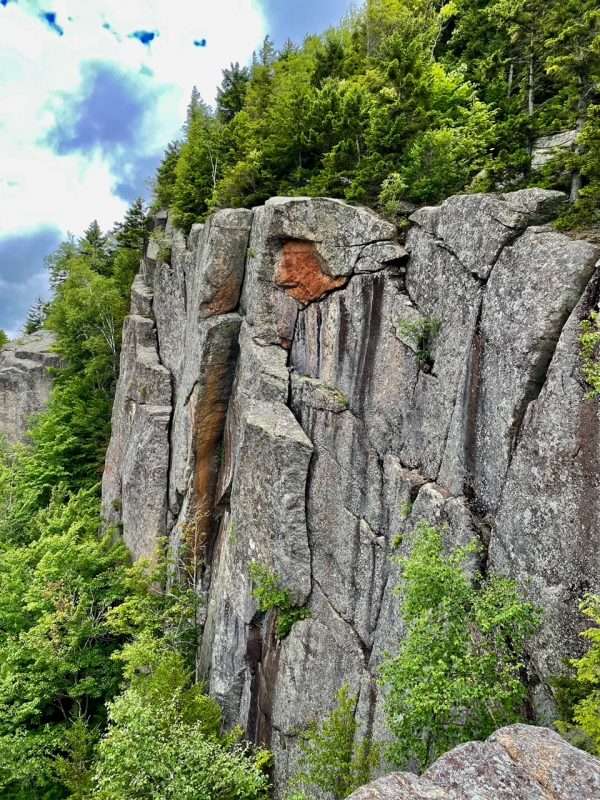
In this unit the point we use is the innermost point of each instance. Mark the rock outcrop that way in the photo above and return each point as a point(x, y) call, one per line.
point(516, 763)
point(297, 387)
point(25, 382)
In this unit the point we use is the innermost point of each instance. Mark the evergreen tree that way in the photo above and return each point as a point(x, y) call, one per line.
point(232, 92)
point(94, 246)
point(36, 316)
point(197, 171)
point(3, 338)
point(166, 176)
point(132, 233)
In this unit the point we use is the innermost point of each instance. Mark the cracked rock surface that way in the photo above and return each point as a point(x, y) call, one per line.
point(519, 762)
point(25, 382)
point(297, 387)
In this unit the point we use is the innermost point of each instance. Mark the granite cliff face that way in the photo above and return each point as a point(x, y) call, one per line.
point(297, 387)
point(25, 382)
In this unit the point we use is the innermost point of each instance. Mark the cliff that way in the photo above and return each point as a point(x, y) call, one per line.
point(516, 763)
point(297, 387)
point(25, 382)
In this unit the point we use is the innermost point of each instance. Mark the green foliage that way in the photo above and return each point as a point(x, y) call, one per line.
point(197, 170)
point(332, 760)
point(164, 182)
point(271, 596)
point(589, 351)
point(3, 338)
point(421, 334)
point(55, 639)
point(36, 316)
point(163, 740)
point(403, 101)
point(458, 675)
point(582, 722)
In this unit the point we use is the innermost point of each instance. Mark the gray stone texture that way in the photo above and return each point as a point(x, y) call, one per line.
point(25, 382)
point(299, 389)
point(519, 762)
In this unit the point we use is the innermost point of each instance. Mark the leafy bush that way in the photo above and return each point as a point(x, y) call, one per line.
point(421, 334)
point(582, 725)
point(590, 347)
point(332, 761)
point(458, 675)
point(163, 740)
point(271, 596)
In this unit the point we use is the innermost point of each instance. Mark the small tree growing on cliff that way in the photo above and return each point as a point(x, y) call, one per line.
point(332, 760)
point(458, 675)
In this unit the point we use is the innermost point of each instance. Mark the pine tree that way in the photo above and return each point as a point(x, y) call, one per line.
point(3, 338)
point(36, 316)
point(232, 91)
point(132, 233)
point(94, 245)
point(164, 182)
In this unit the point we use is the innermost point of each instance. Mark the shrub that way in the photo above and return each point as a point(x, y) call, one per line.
point(163, 740)
point(590, 343)
point(271, 596)
point(586, 685)
point(458, 675)
point(332, 761)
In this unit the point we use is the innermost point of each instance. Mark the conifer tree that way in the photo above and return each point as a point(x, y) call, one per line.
point(232, 91)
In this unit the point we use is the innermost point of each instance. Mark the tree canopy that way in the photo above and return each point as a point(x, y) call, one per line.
point(405, 100)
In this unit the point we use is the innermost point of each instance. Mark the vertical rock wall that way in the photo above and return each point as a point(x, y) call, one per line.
point(297, 387)
point(25, 382)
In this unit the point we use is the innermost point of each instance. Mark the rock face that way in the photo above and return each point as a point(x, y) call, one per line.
point(516, 763)
point(545, 148)
point(25, 382)
point(297, 387)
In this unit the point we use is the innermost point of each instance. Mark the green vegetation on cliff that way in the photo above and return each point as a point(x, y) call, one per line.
point(459, 674)
point(403, 101)
point(96, 659)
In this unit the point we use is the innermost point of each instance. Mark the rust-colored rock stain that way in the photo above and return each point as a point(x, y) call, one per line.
point(209, 422)
point(300, 271)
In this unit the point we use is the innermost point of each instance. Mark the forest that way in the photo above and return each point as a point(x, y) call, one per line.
point(402, 104)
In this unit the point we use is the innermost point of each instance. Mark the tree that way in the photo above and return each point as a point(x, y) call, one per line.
point(458, 673)
point(197, 170)
point(332, 762)
point(55, 644)
point(166, 175)
point(132, 233)
point(232, 91)
point(163, 739)
point(36, 316)
point(3, 338)
point(94, 246)
point(583, 725)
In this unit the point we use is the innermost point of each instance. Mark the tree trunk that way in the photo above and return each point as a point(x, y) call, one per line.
point(576, 174)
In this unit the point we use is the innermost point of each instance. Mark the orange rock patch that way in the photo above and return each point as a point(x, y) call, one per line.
point(300, 271)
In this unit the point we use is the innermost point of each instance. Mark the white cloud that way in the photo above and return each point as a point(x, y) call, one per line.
point(40, 188)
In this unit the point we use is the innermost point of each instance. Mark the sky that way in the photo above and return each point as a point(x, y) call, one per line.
point(91, 91)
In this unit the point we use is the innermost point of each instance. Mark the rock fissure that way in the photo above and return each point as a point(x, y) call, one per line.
point(326, 437)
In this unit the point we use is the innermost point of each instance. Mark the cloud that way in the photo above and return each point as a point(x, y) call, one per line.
point(109, 109)
point(86, 116)
point(286, 20)
point(23, 275)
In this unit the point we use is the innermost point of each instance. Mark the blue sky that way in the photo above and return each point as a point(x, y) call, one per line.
point(92, 91)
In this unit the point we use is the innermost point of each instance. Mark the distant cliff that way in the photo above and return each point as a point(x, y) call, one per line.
point(25, 382)
point(297, 386)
